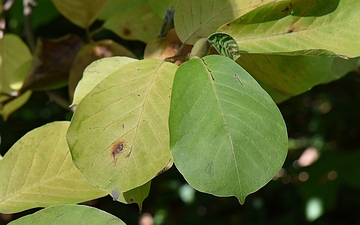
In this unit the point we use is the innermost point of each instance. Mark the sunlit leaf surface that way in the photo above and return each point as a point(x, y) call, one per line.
point(38, 171)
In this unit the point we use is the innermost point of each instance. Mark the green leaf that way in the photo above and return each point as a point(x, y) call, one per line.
point(69, 214)
point(160, 7)
point(13, 54)
point(286, 76)
point(80, 12)
point(38, 171)
point(96, 72)
point(195, 20)
point(227, 136)
point(119, 136)
point(116, 7)
point(136, 24)
point(136, 195)
point(296, 27)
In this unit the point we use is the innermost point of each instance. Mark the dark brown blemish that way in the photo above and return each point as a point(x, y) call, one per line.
point(123, 126)
point(117, 148)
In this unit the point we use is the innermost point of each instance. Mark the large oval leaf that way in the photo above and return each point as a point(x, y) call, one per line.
point(228, 137)
point(316, 27)
point(119, 135)
point(38, 171)
point(69, 214)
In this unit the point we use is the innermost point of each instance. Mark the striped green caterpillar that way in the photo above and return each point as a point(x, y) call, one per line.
point(225, 45)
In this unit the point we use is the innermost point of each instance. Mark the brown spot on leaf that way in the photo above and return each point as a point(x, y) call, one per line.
point(117, 149)
point(126, 31)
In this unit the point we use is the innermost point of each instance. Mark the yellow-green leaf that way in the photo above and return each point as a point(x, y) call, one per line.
point(80, 12)
point(195, 19)
point(297, 27)
point(13, 105)
point(69, 214)
point(96, 72)
point(13, 54)
point(38, 171)
point(119, 135)
point(140, 23)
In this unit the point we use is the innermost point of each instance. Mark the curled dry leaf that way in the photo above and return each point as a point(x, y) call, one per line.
point(52, 62)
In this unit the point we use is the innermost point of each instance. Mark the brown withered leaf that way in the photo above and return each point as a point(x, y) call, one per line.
point(162, 48)
point(92, 52)
point(52, 63)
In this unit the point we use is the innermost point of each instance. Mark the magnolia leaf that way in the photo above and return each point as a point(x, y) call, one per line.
point(286, 76)
point(119, 136)
point(38, 171)
point(296, 27)
point(96, 72)
point(80, 12)
point(227, 136)
point(69, 214)
point(135, 24)
point(13, 54)
point(91, 52)
point(195, 20)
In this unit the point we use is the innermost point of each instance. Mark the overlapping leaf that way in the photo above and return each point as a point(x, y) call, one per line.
point(69, 214)
point(296, 27)
point(38, 171)
point(11, 60)
point(119, 134)
point(286, 76)
point(228, 137)
point(96, 72)
point(80, 12)
point(196, 19)
point(136, 23)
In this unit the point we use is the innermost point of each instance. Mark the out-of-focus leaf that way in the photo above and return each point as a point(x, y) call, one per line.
point(136, 195)
point(38, 171)
point(160, 7)
point(297, 27)
point(122, 124)
point(195, 19)
point(117, 7)
point(80, 12)
point(140, 23)
point(13, 105)
point(96, 72)
point(13, 54)
point(69, 214)
point(52, 63)
point(286, 76)
point(91, 52)
point(227, 136)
